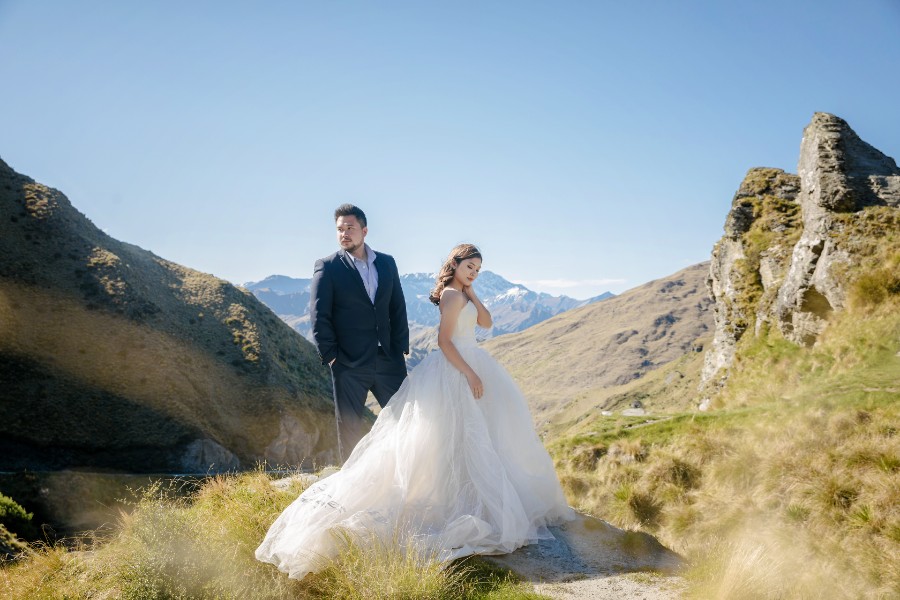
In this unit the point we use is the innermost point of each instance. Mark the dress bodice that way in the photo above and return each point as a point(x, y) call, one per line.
point(464, 334)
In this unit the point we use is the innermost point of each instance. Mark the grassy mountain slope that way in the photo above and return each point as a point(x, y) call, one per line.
point(111, 357)
point(598, 356)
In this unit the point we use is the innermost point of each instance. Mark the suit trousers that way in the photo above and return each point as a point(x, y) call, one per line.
point(383, 376)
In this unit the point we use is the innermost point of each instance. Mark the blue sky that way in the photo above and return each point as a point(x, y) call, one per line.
point(585, 146)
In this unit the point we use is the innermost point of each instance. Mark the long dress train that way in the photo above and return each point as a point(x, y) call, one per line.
point(453, 475)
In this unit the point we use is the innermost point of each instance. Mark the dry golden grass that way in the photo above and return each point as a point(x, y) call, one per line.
point(789, 490)
point(202, 547)
point(671, 388)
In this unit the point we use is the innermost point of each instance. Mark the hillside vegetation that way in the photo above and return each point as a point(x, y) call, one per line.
point(114, 358)
point(789, 486)
point(789, 490)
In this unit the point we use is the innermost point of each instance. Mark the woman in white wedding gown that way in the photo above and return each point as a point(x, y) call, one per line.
point(452, 465)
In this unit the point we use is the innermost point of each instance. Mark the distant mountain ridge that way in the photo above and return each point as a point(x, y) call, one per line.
point(513, 306)
point(568, 365)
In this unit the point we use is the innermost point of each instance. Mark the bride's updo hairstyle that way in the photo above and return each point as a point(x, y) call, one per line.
point(445, 275)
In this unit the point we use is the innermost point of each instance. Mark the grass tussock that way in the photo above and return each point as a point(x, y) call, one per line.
point(789, 489)
point(202, 546)
point(10, 545)
point(371, 569)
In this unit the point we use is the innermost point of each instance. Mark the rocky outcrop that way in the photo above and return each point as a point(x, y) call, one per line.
point(839, 173)
point(207, 455)
point(293, 444)
point(749, 262)
point(792, 243)
point(584, 554)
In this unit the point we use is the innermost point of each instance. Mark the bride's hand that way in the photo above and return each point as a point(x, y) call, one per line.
point(476, 385)
point(469, 291)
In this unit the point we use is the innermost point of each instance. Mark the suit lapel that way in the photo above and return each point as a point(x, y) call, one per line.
point(354, 274)
point(383, 276)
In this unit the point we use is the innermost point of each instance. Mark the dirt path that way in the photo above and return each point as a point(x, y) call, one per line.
point(592, 560)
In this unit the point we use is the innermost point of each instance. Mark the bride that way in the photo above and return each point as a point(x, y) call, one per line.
point(452, 465)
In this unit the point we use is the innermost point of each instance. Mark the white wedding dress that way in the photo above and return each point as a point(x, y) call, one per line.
point(440, 470)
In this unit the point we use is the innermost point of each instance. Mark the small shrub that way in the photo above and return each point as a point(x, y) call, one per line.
point(627, 451)
point(16, 519)
point(676, 472)
point(797, 513)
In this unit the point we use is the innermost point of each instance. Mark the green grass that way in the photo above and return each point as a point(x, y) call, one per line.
point(202, 546)
point(655, 430)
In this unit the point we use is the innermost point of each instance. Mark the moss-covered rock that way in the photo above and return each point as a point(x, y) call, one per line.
point(799, 247)
point(750, 260)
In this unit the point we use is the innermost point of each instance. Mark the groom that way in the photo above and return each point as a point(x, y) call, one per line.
point(358, 318)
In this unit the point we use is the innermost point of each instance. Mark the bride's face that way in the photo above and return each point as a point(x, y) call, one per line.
point(467, 271)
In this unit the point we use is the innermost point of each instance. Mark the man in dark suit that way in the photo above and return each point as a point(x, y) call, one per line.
point(359, 324)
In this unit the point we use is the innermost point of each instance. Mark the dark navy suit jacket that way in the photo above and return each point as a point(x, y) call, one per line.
point(346, 325)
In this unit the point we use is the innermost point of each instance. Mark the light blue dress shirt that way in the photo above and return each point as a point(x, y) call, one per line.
point(367, 271)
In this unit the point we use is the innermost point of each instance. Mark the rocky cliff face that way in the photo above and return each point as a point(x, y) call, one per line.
point(114, 358)
point(749, 262)
point(839, 175)
point(793, 243)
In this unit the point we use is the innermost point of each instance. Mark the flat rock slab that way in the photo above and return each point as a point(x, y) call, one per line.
point(592, 559)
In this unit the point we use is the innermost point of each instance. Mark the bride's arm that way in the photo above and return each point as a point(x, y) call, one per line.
point(484, 315)
point(452, 302)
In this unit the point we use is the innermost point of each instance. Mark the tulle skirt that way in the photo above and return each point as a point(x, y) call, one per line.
point(440, 470)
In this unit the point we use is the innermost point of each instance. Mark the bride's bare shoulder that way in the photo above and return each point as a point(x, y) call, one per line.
point(452, 299)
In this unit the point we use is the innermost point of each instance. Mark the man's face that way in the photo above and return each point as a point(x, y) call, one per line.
point(350, 235)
